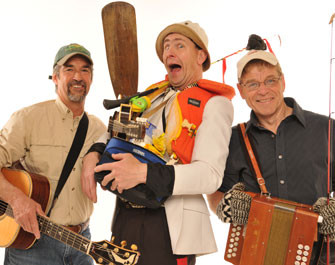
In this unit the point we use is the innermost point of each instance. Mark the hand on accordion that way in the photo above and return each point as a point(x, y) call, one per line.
point(234, 206)
point(327, 211)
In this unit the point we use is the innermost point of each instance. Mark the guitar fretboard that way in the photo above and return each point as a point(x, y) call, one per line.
point(64, 235)
point(54, 230)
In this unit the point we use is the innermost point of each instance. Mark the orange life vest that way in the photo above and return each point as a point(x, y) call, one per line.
point(192, 102)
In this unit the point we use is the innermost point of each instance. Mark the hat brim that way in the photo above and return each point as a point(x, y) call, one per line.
point(253, 55)
point(187, 32)
point(68, 56)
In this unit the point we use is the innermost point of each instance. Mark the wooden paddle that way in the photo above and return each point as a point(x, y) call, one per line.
point(119, 25)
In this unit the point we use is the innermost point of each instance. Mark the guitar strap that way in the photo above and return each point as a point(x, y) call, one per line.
point(72, 156)
point(253, 160)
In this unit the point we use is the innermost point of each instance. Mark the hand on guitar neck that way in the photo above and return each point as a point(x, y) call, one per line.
point(12, 235)
point(25, 210)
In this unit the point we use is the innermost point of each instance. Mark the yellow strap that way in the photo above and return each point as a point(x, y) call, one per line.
point(155, 109)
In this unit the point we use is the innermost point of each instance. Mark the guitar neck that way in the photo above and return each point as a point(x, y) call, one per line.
point(56, 231)
point(64, 235)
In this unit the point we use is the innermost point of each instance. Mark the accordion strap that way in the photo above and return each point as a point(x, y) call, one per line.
point(259, 177)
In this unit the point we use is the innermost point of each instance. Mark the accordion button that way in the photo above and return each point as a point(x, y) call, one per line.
point(299, 251)
point(239, 228)
point(297, 263)
point(233, 230)
point(237, 238)
point(306, 253)
point(232, 240)
point(238, 233)
point(300, 246)
point(231, 245)
point(304, 259)
point(229, 256)
point(234, 254)
point(235, 249)
point(232, 234)
point(303, 263)
point(298, 258)
point(236, 244)
point(307, 247)
point(230, 250)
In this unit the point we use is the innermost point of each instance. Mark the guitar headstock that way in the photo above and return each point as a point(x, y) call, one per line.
point(108, 253)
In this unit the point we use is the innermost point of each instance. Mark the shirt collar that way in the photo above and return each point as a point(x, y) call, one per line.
point(298, 113)
point(65, 111)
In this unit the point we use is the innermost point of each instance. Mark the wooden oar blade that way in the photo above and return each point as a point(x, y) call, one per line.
point(119, 25)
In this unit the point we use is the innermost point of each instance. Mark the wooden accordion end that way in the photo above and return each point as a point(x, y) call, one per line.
point(278, 232)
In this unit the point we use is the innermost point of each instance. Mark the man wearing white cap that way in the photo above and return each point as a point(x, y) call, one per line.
point(291, 145)
point(194, 116)
point(40, 137)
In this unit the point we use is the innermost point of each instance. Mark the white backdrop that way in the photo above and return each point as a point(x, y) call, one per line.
point(32, 32)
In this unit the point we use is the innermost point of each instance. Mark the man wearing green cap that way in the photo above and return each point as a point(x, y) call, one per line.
point(40, 137)
point(193, 116)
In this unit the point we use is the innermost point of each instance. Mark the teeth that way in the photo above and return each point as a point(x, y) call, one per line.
point(264, 100)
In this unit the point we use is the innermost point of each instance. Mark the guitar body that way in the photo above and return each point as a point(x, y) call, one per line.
point(34, 186)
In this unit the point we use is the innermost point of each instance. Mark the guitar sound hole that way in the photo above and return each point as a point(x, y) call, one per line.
point(2, 210)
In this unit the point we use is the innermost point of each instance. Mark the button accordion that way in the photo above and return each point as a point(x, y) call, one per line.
point(278, 232)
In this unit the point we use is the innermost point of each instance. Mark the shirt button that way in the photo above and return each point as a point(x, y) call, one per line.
point(272, 135)
point(280, 156)
point(282, 182)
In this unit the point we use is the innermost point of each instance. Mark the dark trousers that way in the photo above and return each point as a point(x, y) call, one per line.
point(148, 229)
point(319, 253)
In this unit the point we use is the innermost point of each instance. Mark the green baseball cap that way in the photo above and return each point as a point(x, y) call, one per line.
point(66, 52)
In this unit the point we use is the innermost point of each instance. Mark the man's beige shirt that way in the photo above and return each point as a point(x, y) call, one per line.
point(41, 135)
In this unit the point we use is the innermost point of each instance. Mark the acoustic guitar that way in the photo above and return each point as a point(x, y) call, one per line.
point(37, 188)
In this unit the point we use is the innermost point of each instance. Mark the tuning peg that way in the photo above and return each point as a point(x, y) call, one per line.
point(133, 247)
point(104, 245)
point(126, 255)
point(113, 238)
point(123, 243)
point(116, 250)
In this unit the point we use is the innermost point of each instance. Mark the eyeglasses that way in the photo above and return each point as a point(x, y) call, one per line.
point(255, 85)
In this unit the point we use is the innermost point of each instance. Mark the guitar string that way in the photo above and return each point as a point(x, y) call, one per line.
point(121, 125)
point(8, 210)
point(53, 229)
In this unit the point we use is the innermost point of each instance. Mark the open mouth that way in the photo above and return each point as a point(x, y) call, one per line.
point(264, 100)
point(77, 85)
point(174, 67)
